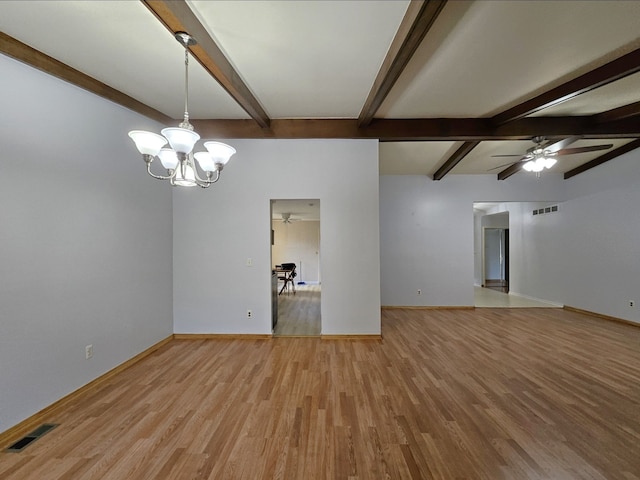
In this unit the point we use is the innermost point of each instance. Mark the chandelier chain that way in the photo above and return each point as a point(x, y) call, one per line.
point(185, 123)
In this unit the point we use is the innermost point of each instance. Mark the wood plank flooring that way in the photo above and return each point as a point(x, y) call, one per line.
point(299, 314)
point(486, 394)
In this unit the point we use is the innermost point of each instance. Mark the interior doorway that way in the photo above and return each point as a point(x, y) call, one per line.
point(491, 252)
point(295, 262)
point(496, 259)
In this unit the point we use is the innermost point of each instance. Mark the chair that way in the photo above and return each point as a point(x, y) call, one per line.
point(288, 274)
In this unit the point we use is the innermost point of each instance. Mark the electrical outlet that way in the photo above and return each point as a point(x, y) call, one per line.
point(632, 303)
point(419, 292)
point(88, 351)
point(249, 314)
point(249, 262)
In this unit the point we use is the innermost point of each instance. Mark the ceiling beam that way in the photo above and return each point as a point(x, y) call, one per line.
point(619, 113)
point(36, 59)
point(603, 158)
point(454, 159)
point(417, 21)
point(178, 17)
point(510, 170)
point(382, 129)
point(428, 129)
point(621, 67)
point(552, 147)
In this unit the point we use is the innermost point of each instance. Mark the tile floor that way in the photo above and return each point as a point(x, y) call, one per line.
point(485, 297)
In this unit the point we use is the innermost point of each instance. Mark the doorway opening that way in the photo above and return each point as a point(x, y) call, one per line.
point(491, 256)
point(295, 262)
point(496, 258)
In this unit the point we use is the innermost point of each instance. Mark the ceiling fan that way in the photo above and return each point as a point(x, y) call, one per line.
point(542, 155)
point(286, 218)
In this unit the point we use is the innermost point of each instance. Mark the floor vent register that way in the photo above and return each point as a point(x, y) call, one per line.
point(27, 440)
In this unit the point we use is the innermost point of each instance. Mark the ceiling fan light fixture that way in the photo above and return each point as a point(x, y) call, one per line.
point(539, 164)
point(533, 166)
point(179, 160)
point(549, 162)
point(540, 156)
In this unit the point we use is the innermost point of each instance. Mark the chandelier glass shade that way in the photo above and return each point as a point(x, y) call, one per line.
point(179, 160)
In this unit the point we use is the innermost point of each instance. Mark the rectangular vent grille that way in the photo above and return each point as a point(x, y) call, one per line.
point(542, 211)
point(31, 437)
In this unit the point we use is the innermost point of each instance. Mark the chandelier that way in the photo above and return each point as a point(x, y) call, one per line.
point(179, 159)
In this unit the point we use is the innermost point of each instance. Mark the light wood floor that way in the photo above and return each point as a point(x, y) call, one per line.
point(486, 394)
point(299, 314)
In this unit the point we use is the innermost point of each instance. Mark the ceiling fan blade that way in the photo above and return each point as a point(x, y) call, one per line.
point(593, 148)
point(498, 156)
point(522, 159)
point(554, 146)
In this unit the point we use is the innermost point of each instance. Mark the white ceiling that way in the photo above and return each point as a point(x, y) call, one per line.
point(297, 209)
point(614, 95)
point(305, 59)
point(487, 56)
point(319, 60)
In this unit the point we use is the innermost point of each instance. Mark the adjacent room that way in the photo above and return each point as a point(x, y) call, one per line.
point(295, 256)
point(319, 239)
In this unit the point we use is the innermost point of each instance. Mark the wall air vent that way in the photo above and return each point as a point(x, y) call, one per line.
point(27, 440)
point(545, 210)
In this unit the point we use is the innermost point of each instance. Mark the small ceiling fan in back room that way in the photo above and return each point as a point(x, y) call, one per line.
point(287, 218)
point(543, 154)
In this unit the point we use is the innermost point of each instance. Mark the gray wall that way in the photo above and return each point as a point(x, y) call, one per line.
point(85, 241)
point(427, 233)
point(216, 231)
point(587, 255)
